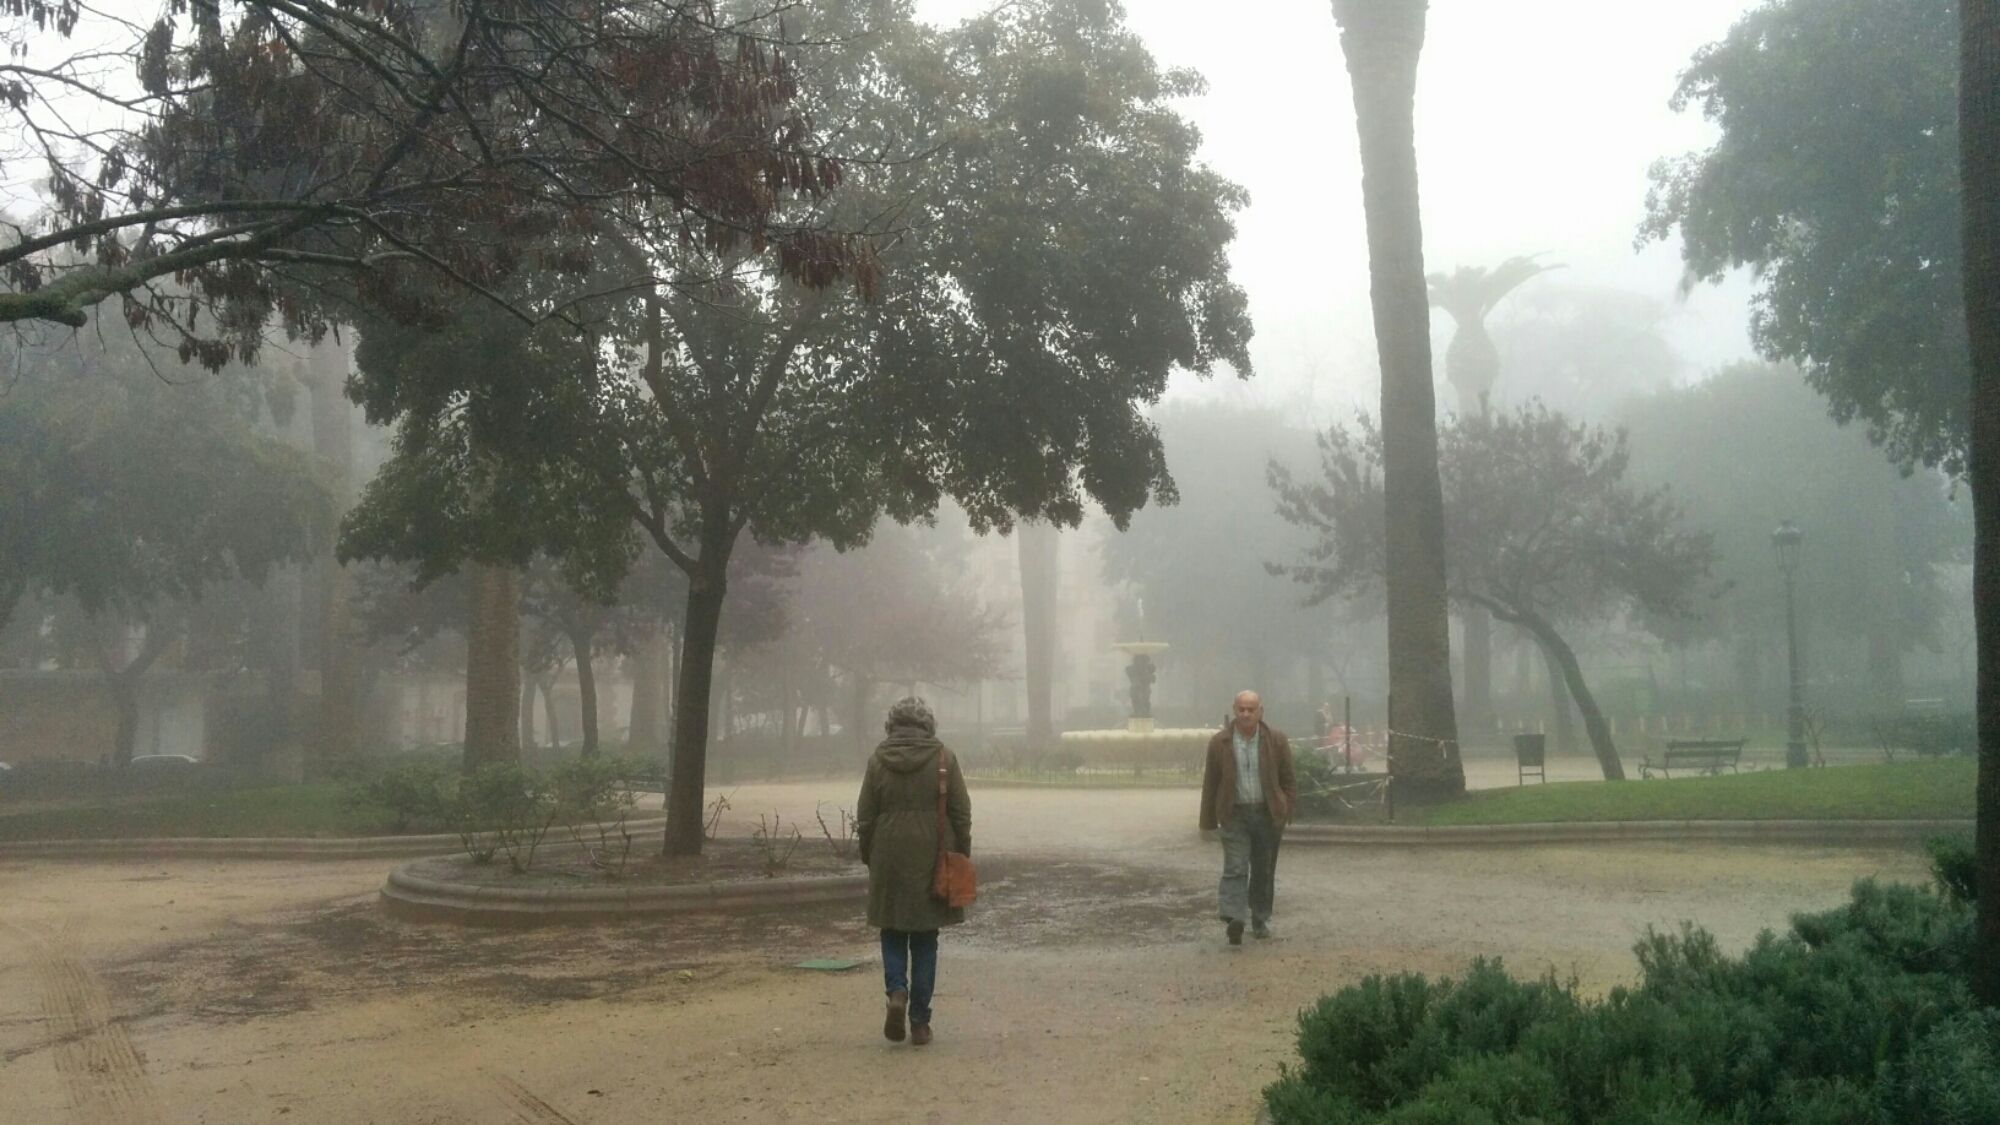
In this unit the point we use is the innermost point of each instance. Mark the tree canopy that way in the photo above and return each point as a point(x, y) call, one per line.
point(384, 150)
point(1835, 177)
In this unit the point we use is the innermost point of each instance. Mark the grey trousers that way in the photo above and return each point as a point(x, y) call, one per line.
point(1249, 864)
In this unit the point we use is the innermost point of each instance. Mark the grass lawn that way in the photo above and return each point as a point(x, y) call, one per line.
point(318, 809)
point(1937, 789)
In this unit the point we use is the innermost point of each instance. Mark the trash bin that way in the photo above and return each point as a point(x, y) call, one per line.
point(1529, 750)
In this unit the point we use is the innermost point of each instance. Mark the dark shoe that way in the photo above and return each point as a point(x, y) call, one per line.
point(892, 1027)
point(1235, 933)
point(1260, 930)
point(920, 1034)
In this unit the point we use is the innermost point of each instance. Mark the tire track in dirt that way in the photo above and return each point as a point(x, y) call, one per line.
point(527, 1105)
point(100, 1069)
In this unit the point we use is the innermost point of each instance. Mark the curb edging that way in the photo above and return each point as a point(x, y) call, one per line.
point(1743, 831)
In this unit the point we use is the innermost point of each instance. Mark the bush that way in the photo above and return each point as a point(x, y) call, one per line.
point(1955, 867)
point(503, 807)
point(413, 794)
point(1860, 1016)
point(593, 798)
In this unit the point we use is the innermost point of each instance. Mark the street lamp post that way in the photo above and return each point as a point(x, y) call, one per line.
point(1786, 540)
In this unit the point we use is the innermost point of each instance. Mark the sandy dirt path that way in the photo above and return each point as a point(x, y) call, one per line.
point(1091, 984)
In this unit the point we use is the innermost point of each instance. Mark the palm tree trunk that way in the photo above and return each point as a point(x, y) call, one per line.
point(1979, 178)
point(1381, 40)
point(493, 667)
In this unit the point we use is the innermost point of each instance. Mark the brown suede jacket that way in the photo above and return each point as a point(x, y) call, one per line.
point(1274, 769)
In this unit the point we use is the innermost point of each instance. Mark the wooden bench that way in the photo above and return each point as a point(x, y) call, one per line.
point(1709, 755)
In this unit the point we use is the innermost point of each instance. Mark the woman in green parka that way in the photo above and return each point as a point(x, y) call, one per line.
point(896, 824)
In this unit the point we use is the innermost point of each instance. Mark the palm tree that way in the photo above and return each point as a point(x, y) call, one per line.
point(1472, 366)
point(1472, 363)
point(1381, 40)
point(1979, 182)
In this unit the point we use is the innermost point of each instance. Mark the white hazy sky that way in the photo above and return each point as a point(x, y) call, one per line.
point(1536, 122)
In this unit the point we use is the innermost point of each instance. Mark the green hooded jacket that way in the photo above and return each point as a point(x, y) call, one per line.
point(897, 830)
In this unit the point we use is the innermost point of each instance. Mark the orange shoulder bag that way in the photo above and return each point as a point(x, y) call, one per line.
point(952, 881)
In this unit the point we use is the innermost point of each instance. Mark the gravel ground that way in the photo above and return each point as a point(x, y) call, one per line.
point(1091, 983)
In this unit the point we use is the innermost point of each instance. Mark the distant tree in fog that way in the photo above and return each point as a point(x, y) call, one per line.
point(1542, 529)
point(1584, 349)
point(897, 612)
point(1469, 293)
point(1472, 367)
point(135, 497)
point(1199, 563)
point(1834, 175)
point(1751, 446)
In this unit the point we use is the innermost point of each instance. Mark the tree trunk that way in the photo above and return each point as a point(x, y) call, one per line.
point(687, 786)
point(546, 684)
point(1478, 669)
point(1038, 623)
point(123, 683)
point(1572, 675)
point(339, 655)
point(1381, 40)
point(525, 713)
point(583, 644)
point(493, 667)
point(1559, 701)
point(642, 728)
point(1979, 178)
point(858, 685)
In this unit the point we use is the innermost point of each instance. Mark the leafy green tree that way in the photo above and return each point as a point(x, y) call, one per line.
point(1543, 528)
point(1381, 40)
point(1057, 258)
point(473, 483)
point(1834, 177)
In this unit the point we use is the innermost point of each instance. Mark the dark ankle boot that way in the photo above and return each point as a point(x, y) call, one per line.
point(892, 1026)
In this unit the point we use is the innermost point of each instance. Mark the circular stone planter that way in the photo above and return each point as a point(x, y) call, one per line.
point(1829, 832)
point(411, 895)
point(256, 847)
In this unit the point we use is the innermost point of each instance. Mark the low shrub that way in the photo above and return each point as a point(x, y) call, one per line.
point(1955, 866)
point(416, 796)
point(502, 807)
point(594, 800)
point(1860, 1015)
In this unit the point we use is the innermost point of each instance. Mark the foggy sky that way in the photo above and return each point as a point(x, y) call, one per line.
point(1536, 122)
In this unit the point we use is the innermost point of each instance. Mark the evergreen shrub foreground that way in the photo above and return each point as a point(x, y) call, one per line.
point(1861, 1015)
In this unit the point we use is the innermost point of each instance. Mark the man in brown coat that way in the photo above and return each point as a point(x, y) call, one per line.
point(1248, 791)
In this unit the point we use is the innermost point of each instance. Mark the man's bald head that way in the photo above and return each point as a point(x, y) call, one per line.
point(1248, 711)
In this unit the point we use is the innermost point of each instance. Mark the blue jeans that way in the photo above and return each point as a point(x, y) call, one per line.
point(909, 963)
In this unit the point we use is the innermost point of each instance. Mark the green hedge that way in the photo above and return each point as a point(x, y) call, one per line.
point(1861, 1015)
